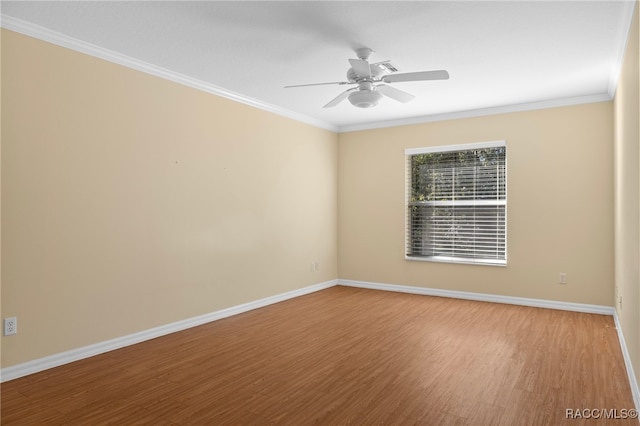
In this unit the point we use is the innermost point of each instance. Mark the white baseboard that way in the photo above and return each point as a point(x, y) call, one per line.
point(635, 391)
point(538, 303)
point(41, 364)
point(30, 367)
point(482, 297)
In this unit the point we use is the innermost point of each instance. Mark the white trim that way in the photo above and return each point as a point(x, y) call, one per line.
point(458, 260)
point(54, 37)
point(623, 39)
point(409, 154)
point(635, 391)
point(483, 297)
point(45, 34)
point(505, 109)
point(538, 303)
point(466, 203)
point(30, 367)
point(458, 147)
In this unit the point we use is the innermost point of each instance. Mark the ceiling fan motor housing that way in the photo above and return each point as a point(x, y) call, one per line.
point(376, 73)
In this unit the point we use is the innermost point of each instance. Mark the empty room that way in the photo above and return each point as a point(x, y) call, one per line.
point(320, 212)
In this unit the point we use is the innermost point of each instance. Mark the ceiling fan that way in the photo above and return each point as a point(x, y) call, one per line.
point(370, 80)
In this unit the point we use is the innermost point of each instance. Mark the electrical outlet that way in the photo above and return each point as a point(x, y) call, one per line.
point(10, 326)
point(563, 278)
point(316, 266)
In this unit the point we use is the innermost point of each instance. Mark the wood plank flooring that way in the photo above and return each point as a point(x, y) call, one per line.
point(345, 356)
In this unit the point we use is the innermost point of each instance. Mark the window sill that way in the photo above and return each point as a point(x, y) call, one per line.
point(447, 259)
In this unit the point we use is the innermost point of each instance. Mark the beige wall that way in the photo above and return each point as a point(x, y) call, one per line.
point(131, 202)
point(0, 191)
point(627, 196)
point(560, 205)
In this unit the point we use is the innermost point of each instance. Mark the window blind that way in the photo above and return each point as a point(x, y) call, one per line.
point(457, 203)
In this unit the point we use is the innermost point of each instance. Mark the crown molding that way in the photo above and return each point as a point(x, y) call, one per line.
point(552, 103)
point(59, 39)
point(623, 39)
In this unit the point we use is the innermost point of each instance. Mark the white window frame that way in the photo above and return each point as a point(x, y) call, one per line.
point(452, 148)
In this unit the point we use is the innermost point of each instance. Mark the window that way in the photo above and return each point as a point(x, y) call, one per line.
point(456, 203)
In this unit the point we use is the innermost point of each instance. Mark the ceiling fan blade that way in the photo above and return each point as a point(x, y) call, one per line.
point(318, 84)
point(416, 76)
point(341, 97)
point(361, 67)
point(394, 93)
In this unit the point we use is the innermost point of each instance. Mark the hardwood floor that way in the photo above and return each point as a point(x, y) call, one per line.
point(345, 356)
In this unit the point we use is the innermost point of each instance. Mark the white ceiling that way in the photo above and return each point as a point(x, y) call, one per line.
point(501, 56)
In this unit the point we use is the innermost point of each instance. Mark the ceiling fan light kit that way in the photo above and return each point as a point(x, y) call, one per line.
point(370, 79)
point(365, 98)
